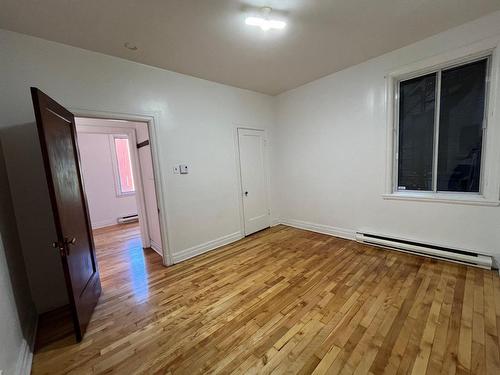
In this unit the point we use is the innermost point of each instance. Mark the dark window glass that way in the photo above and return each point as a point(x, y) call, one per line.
point(460, 127)
point(416, 132)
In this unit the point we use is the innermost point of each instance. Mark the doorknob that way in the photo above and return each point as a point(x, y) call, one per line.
point(64, 246)
point(60, 246)
point(70, 242)
point(246, 193)
point(66, 242)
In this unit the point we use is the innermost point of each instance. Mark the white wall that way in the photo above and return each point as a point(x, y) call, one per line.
point(33, 214)
point(105, 207)
point(17, 313)
point(195, 122)
point(331, 155)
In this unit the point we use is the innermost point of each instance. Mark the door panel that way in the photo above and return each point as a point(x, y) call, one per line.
point(253, 179)
point(57, 133)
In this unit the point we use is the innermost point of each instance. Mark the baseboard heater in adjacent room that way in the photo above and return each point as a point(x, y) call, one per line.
point(128, 219)
point(453, 255)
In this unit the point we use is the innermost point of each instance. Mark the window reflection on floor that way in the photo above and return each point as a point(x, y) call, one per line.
point(137, 268)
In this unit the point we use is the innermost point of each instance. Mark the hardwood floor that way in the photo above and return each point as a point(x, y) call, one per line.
point(283, 301)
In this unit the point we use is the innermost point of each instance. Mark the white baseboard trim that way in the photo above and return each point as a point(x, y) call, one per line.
point(275, 221)
point(320, 228)
point(156, 247)
point(25, 359)
point(207, 246)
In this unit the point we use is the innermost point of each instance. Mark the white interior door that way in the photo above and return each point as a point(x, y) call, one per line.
point(148, 183)
point(252, 145)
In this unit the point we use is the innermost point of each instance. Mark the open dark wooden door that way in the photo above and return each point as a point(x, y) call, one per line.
point(57, 133)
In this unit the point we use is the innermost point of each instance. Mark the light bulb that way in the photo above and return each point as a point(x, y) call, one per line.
point(265, 23)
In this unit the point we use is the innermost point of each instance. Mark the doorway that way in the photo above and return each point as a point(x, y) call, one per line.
point(119, 181)
point(253, 173)
point(83, 155)
point(118, 176)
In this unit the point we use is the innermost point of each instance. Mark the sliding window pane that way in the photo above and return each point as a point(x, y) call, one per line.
point(460, 127)
point(416, 132)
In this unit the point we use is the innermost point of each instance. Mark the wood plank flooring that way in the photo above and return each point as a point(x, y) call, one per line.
point(283, 301)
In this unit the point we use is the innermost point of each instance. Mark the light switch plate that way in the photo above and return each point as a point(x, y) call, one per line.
point(183, 168)
point(176, 169)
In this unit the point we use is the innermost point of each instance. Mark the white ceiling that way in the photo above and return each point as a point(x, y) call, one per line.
point(208, 38)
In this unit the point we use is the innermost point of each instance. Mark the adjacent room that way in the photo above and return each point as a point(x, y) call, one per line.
point(250, 187)
point(118, 177)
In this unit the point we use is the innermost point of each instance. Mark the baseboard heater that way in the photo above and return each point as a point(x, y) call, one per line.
point(453, 255)
point(128, 219)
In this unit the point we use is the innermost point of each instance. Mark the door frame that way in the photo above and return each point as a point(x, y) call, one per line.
point(239, 177)
point(160, 183)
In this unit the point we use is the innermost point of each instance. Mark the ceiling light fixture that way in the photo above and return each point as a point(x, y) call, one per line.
point(265, 22)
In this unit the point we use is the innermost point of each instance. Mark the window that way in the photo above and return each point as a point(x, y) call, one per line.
point(123, 170)
point(441, 121)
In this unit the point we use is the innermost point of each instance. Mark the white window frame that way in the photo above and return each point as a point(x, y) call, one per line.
point(116, 170)
point(490, 157)
point(437, 109)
